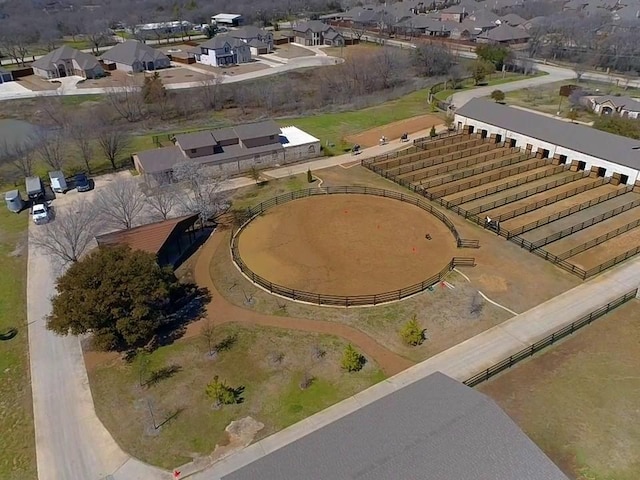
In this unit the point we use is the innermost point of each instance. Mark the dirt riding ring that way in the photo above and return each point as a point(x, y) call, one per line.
point(346, 246)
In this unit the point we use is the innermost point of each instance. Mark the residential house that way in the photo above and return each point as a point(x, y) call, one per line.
point(614, 105)
point(484, 19)
point(465, 30)
point(133, 56)
point(5, 75)
point(260, 41)
point(434, 427)
point(315, 33)
point(230, 150)
point(513, 20)
point(504, 35)
point(66, 61)
point(422, 25)
point(454, 13)
point(223, 50)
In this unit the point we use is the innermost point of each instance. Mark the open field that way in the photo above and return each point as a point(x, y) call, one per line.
point(536, 201)
point(336, 128)
point(268, 363)
point(492, 80)
point(546, 98)
point(348, 50)
point(17, 455)
point(578, 400)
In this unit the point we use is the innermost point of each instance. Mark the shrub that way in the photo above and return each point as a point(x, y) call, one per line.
point(309, 176)
point(433, 133)
point(352, 360)
point(412, 333)
point(497, 95)
point(220, 392)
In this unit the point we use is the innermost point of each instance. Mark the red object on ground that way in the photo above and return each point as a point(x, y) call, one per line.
point(176, 474)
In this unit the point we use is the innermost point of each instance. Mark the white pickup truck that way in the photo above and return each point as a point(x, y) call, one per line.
point(40, 213)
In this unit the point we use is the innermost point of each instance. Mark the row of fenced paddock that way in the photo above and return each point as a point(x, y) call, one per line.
point(451, 170)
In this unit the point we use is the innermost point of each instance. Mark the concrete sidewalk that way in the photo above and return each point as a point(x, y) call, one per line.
point(460, 362)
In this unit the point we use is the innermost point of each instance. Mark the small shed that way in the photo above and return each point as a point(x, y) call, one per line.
point(227, 19)
point(14, 201)
point(169, 240)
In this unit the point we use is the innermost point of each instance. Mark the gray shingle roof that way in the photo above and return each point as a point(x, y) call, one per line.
point(219, 41)
point(620, 101)
point(160, 159)
point(248, 32)
point(505, 33)
point(587, 140)
point(84, 60)
point(316, 26)
point(195, 140)
point(435, 428)
point(256, 130)
point(127, 53)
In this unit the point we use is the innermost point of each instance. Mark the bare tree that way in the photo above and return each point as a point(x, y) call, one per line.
point(121, 203)
point(112, 140)
point(70, 235)
point(96, 33)
point(162, 201)
point(579, 69)
point(19, 155)
point(80, 133)
point(210, 89)
point(204, 190)
point(126, 101)
point(208, 332)
point(16, 38)
point(51, 148)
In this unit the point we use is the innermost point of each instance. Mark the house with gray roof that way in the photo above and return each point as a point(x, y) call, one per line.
point(422, 25)
point(504, 35)
point(5, 75)
point(133, 56)
point(616, 105)
point(66, 61)
point(435, 428)
point(581, 146)
point(231, 150)
point(315, 33)
point(260, 41)
point(512, 20)
point(223, 50)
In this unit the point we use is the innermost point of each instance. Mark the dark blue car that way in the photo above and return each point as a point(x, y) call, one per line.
point(82, 182)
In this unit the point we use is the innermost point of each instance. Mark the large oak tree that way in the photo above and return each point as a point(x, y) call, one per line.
point(119, 295)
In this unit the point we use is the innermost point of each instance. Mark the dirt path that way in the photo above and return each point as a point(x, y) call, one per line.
point(221, 311)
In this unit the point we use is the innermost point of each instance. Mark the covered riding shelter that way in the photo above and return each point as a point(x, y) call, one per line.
point(169, 240)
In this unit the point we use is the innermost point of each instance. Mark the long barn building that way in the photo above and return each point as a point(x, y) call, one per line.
point(583, 147)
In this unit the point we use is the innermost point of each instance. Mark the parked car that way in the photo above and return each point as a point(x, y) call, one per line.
point(58, 182)
point(82, 182)
point(40, 213)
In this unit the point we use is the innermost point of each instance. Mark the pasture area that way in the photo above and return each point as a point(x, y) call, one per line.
point(267, 365)
point(346, 245)
point(17, 455)
point(583, 222)
point(578, 400)
point(547, 99)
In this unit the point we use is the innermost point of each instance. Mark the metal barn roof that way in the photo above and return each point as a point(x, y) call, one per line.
point(580, 138)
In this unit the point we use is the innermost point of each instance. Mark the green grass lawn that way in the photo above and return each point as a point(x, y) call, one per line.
point(332, 128)
point(268, 363)
point(494, 79)
point(17, 453)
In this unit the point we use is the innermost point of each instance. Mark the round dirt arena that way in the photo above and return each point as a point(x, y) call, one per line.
point(346, 245)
